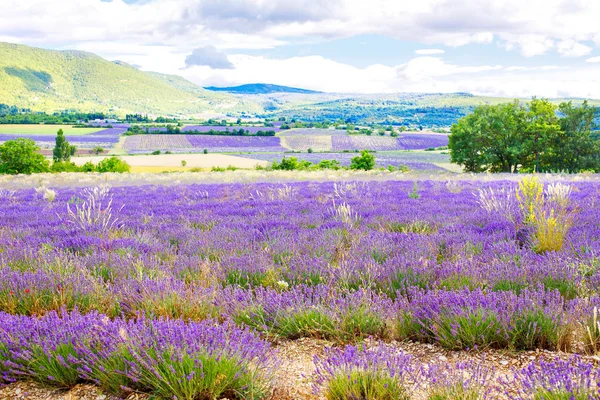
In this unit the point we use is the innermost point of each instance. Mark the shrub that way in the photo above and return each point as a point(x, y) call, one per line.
point(169, 359)
point(20, 156)
point(113, 164)
point(64, 166)
point(88, 167)
point(461, 381)
point(351, 373)
point(366, 161)
point(155, 152)
point(286, 164)
point(572, 379)
point(530, 199)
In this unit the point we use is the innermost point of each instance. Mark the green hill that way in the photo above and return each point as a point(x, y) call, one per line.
point(48, 80)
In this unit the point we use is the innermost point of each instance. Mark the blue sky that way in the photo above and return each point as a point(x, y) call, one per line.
point(506, 48)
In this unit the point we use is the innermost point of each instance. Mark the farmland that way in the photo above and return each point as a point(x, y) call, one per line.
point(301, 141)
point(44, 129)
point(425, 285)
point(83, 138)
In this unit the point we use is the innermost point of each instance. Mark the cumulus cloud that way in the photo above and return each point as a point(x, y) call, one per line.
point(593, 59)
point(572, 48)
point(420, 74)
point(533, 27)
point(429, 51)
point(208, 56)
point(162, 34)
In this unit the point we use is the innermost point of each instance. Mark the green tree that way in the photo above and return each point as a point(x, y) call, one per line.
point(113, 164)
point(464, 143)
point(512, 137)
point(540, 136)
point(20, 156)
point(62, 149)
point(365, 161)
point(489, 139)
point(576, 150)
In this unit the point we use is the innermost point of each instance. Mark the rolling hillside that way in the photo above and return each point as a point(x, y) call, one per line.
point(48, 80)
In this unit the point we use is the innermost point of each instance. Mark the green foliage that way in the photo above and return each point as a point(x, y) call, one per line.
point(329, 164)
point(62, 151)
point(367, 384)
point(199, 376)
point(513, 137)
point(113, 164)
point(415, 192)
point(65, 166)
point(290, 164)
point(366, 161)
point(455, 392)
point(88, 167)
point(155, 152)
point(51, 369)
point(20, 156)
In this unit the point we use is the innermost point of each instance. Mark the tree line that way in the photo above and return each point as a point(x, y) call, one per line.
point(537, 136)
point(15, 115)
point(171, 129)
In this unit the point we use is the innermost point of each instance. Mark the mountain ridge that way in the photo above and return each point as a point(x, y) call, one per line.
point(53, 80)
point(260, 88)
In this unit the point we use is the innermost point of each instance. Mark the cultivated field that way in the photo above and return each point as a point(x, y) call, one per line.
point(44, 129)
point(371, 283)
point(141, 163)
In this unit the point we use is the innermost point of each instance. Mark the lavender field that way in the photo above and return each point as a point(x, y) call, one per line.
point(415, 161)
point(408, 141)
point(106, 138)
point(301, 141)
point(196, 291)
point(198, 143)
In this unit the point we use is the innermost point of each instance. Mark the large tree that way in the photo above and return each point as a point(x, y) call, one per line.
point(537, 136)
point(540, 136)
point(21, 156)
point(488, 139)
point(575, 148)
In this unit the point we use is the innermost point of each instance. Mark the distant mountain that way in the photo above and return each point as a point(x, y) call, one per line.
point(48, 80)
point(260, 88)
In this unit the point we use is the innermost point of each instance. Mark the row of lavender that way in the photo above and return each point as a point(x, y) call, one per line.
point(104, 138)
point(175, 359)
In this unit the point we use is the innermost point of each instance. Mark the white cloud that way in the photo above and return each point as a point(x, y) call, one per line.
point(572, 48)
point(159, 34)
point(529, 45)
point(421, 74)
point(429, 51)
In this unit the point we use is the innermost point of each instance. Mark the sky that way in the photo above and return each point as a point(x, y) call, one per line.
point(508, 48)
